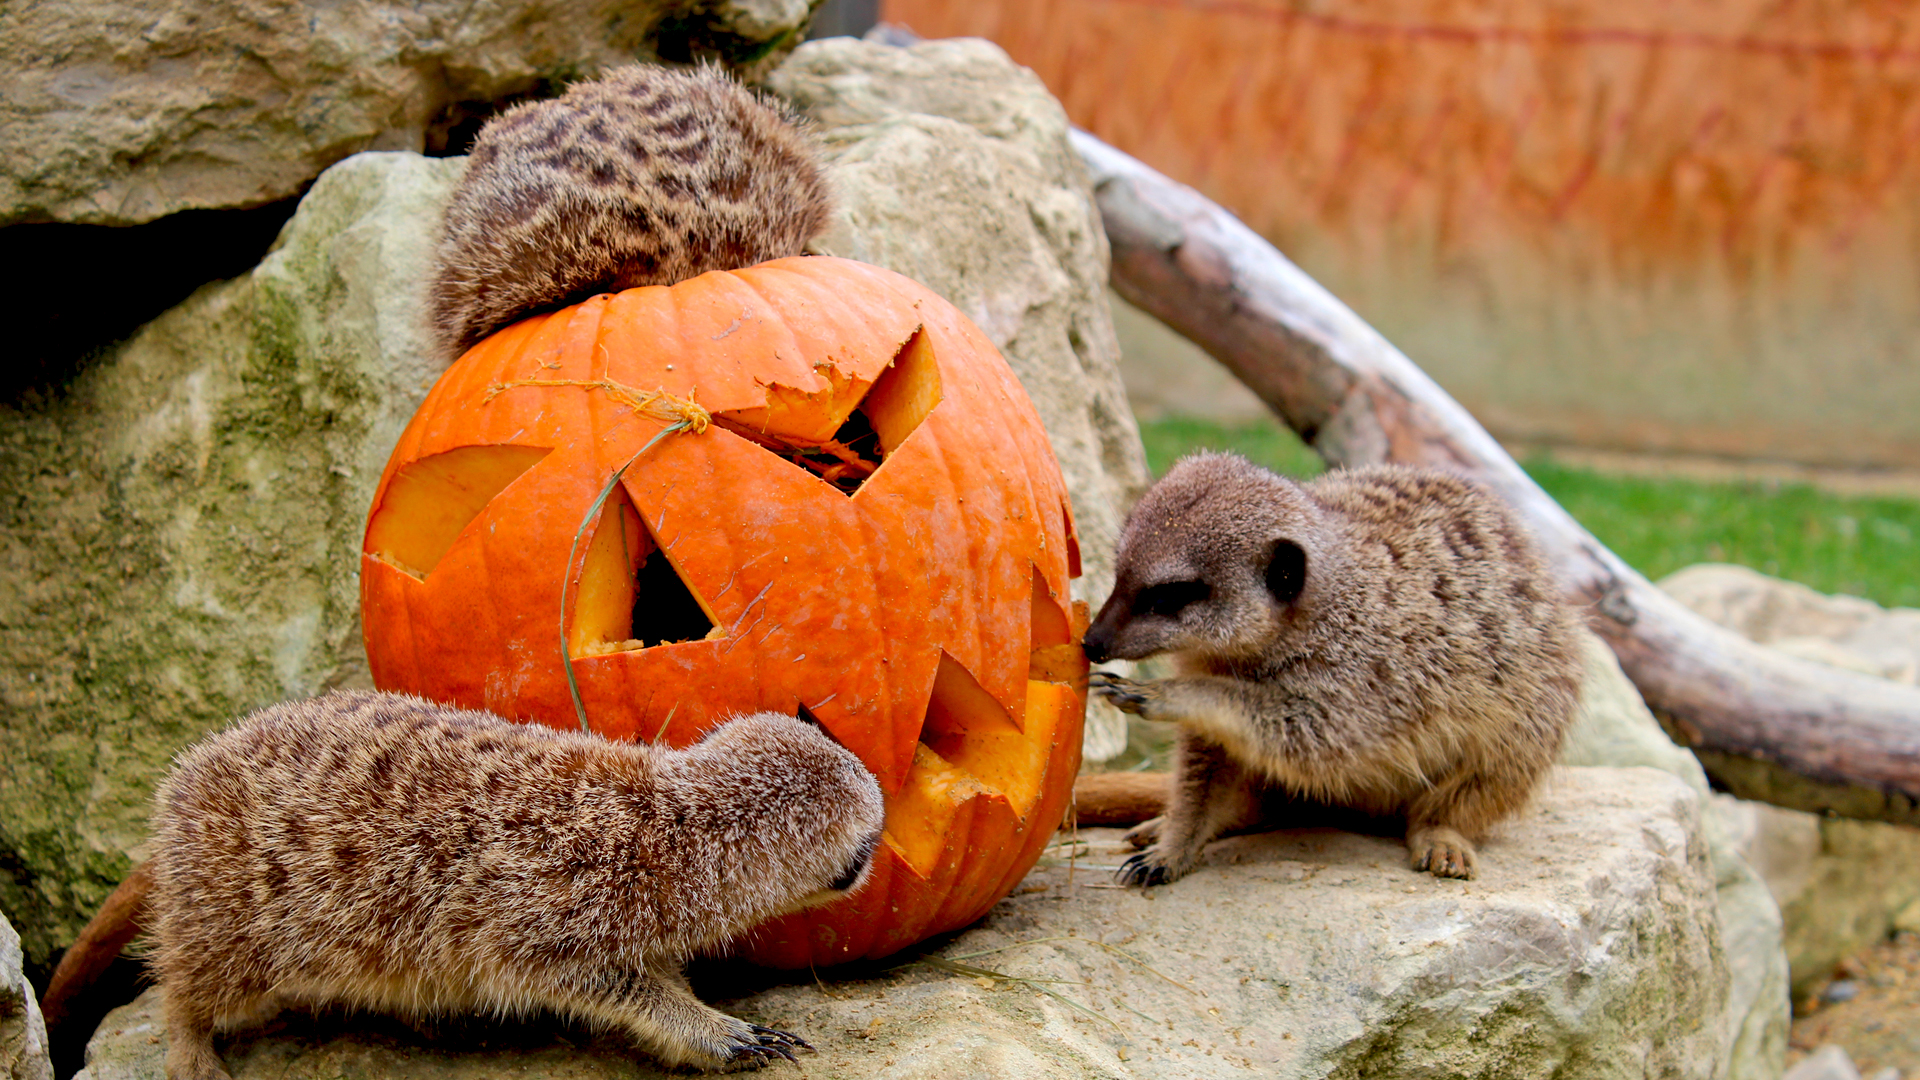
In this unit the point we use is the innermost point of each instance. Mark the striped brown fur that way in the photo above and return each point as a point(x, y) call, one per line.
point(648, 176)
point(378, 851)
point(1384, 639)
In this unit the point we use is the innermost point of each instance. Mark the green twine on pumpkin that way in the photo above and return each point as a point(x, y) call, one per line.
point(685, 423)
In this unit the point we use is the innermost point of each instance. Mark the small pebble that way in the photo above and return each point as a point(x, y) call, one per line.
point(1840, 990)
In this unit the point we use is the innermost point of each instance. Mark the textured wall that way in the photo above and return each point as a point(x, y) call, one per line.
point(1612, 222)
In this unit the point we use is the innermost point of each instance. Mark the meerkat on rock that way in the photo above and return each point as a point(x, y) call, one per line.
point(1384, 639)
point(378, 851)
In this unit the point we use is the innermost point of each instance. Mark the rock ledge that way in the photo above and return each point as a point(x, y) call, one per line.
point(1590, 948)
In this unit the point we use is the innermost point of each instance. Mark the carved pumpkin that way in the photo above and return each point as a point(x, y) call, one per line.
point(873, 527)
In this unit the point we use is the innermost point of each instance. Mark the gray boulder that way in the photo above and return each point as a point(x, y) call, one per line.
point(121, 111)
point(1589, 948)
point(23, 1033)
point(1615, 728)
point(183, 525)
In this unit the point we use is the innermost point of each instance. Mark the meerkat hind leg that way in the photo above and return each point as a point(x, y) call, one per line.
point(190, 1052)
point(1212, 793)
point(1440, 820)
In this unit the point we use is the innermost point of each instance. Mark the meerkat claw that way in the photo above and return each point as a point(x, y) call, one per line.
point(1138, 871)
point(782, 1042)
point(772, 1036)
point(1120, 692)
point(757, 1054)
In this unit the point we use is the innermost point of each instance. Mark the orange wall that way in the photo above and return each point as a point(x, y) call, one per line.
point(1679, 225)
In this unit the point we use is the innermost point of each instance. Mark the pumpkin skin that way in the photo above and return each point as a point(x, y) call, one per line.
point(923, 617)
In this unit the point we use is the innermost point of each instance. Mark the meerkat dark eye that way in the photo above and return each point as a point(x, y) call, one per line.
point(1170, 598)
point(1287, 571)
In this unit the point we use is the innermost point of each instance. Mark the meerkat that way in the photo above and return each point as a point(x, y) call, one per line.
point(378, 851)
point(648, 176)
point(1383, 639)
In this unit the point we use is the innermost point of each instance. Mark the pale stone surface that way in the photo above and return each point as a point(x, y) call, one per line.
point(951, 165)
point(23, 1032)
point(1589, 948)
point(1616, 728)
point(121, 111)
point(1840, 883)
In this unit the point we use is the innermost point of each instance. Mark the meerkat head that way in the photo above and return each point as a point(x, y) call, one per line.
point(1219, 558)
point(776, 817)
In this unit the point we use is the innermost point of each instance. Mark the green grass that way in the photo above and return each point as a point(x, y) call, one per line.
point(1862, 546)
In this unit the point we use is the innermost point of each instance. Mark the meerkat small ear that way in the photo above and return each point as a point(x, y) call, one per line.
point(1286, 571)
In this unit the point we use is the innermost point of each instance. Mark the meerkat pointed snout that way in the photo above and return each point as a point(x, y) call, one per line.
point(377, 851)
point(1384, 639)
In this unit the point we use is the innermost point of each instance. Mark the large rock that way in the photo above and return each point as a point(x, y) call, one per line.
point(951, 166)
point(182, 528)
point(1615, 728)
point(121, 111)
point(1840, 883)
point(1589, 948)
point(23, 1033)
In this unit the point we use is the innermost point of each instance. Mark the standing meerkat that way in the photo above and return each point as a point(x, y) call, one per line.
point(378, 851)
point(647, 176)
point(1383, 639)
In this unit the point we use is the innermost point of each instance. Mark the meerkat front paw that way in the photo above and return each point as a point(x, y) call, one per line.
point(1155, 866)
point(1124, 694)
point(1441, 851)
point(759, 1045)
point(1144, 834)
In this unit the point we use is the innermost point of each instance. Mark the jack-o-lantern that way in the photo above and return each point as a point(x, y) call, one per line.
point(872, 526)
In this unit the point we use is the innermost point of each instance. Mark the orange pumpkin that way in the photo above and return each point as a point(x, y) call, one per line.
point(872, 526)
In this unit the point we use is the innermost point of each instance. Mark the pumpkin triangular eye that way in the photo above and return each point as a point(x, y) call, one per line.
point(431, 502)
point(630, 596)
point(842, 434)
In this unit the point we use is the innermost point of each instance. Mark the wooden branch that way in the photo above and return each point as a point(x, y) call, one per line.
point(1119, 798)
point(1766, 725)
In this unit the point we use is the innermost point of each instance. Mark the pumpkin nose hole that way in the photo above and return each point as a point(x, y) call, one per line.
point(629, 595)
point(664, 609)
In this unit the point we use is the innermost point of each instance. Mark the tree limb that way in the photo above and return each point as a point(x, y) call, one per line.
point(1765, 725)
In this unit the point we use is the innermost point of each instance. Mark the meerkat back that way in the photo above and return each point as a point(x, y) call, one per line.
point(647, 176)
point(378, 851)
